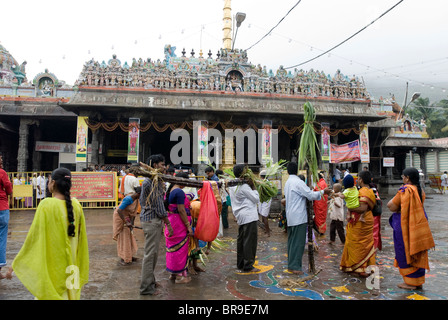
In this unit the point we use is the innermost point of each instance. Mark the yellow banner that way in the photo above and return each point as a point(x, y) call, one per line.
point(81, 140)
point(22, 190)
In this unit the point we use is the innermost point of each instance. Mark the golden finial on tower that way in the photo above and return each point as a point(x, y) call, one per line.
point(227, 19)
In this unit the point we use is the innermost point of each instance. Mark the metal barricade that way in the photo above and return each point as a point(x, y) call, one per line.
point(26, 193)
point(29, 188)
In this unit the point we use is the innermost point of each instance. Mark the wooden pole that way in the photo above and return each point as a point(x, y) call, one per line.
point(185, 181)
point(310, 212)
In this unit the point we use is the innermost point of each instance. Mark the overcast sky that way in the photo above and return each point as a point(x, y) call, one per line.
point(409, 44)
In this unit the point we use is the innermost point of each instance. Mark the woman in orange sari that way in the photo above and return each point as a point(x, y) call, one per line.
point(320, 207)
point(359, 250)
point(412, 236)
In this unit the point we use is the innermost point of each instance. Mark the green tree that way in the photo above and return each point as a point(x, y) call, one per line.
point(434, 115)
point(444, 104)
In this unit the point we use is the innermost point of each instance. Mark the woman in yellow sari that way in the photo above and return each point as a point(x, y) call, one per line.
point(359, 250)
point(412, 236)
point(53, 263)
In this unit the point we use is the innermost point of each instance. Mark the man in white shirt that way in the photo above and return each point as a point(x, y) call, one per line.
point(130, 181)
point(41, 185)
point(17, 200)
point(244, 199)
point(264, 208)
point(296, 194)
point(444, 181)
point(337, 175)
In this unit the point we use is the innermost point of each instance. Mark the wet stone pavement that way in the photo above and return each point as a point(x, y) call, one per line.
point(221, 281)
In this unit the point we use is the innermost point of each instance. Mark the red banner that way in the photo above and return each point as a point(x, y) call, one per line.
point(91, 186)
point(344, 153)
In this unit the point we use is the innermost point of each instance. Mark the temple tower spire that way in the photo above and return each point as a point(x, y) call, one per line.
point(227, 19)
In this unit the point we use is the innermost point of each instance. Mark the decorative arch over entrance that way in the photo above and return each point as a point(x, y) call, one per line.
point(234, 81)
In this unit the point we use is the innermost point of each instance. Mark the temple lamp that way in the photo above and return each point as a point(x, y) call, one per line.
point(239, 17)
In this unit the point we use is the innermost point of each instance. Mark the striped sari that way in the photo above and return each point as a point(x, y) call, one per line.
point(412, 236)
point(177, 246)
point(359, 250)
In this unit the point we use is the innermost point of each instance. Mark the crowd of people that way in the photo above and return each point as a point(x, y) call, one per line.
point(53, 262)
point(360, 207)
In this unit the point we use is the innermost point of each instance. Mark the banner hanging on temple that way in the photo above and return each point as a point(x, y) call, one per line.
point(81, 140)
point(133, 139)
point(364, 143)
point(345, 153)
point(325, 141)
point(202, 141)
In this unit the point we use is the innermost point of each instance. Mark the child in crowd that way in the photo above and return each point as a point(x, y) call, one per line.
point(336, 210)
point(350, 194)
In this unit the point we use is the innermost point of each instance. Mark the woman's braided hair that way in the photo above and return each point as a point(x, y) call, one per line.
point(63, 181)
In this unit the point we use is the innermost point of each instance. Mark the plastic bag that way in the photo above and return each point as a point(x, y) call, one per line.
point(207, 226)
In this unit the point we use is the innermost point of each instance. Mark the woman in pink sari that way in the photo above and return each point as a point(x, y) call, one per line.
point(178, 207)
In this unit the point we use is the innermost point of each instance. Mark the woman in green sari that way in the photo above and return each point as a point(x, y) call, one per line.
point(53, 263)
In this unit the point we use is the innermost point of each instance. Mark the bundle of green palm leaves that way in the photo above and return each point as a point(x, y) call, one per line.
point(308, 143)
point(266, 189)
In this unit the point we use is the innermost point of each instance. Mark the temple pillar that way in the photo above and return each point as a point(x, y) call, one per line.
point(436, 161)
point(101, 140)
point(37, 155)
point(22, 154)
point(94, 157)
point(422, 153)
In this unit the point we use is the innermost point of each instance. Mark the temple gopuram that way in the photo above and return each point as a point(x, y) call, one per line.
point(224, 90)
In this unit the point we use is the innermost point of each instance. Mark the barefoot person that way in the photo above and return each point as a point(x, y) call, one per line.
point(123, 223)
point(53, 263)
point(152, 218)
point(264, 208)
point(177, 205)
point(359, 250)
point(296, 194)
point(412, 236)
point(244, 200)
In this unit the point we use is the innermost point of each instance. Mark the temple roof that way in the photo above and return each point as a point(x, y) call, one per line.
point(10, 69)
point(7, 61)
point(229, 71)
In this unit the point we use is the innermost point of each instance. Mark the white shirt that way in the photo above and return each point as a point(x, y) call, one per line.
point(34, 181)
point(264, 208)
point(17, 182)
point(42, 184)
point(244, 203)
point(296, 194)
point(222, 191)
point(336, 213)
point(444, 178)
point(337, 174)
point(130, 183)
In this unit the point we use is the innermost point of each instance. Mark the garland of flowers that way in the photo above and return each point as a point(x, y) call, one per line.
point(124, 126)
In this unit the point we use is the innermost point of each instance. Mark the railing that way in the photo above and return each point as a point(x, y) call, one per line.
point(26, 195)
